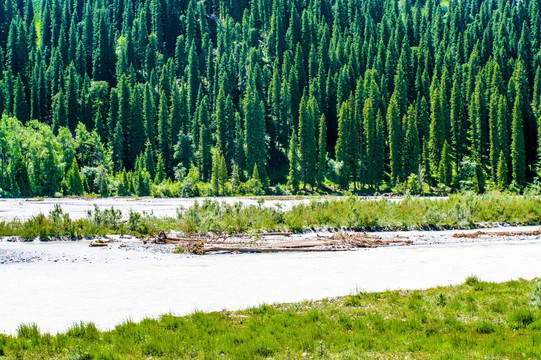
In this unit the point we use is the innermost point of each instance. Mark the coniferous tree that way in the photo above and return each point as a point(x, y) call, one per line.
point(395, 139)
point(74, 181)
point(255, 181)
point(214, 180)
point(136, 128)
point(307, 144)
point(150, 164)
point(294, 171)
point(118, 148)
point(59, 112)
point(322, 152)
point(343, 144)
point(371, 139)
point(458, 119)
point(255, 129)
point(437, 134)
point(160, 170)
point(502, 172)
point(219, 173)
point(445, 170)
point(204, 156)
point(225, 124)
point(150, 115)
point(240, 154)
point(164, 133)
point(412, 150)
point(20, 105)
point(518, 152)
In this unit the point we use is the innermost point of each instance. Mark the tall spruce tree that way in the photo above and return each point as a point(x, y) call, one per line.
point(322, 152)
point(294, 168)
point(394, 125)
point(307, 144)
point(518, 152)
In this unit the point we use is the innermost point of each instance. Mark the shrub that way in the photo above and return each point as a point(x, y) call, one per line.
point(471, 280)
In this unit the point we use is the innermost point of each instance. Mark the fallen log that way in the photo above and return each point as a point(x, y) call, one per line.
point(476, 234)
point(96, 243)
point(267, 249)
point(275, 234)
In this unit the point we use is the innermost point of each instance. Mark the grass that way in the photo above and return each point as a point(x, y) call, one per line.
point(496, 321)
point(460, 211)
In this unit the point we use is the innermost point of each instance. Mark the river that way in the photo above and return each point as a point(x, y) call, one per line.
point(59, 284)
point(78, 207)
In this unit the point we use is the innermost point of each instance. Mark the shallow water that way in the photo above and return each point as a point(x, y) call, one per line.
point(78, 207)
point(109, 286)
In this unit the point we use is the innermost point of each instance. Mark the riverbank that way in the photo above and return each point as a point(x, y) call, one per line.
point(316, 241)
point(474, 320)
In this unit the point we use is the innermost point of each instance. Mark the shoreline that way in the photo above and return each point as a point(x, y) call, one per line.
point(402, 322)
point(57, 283)
point(24, 252)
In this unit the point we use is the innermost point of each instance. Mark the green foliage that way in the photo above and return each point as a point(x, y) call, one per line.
point(307, 141)
point(294, 171)
point(383, 88)
point(536, 295)
point(390, 324)
point(445, 169)
point(74, 181)
point(458, 211)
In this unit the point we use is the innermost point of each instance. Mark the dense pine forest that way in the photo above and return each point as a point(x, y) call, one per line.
point(184, 98)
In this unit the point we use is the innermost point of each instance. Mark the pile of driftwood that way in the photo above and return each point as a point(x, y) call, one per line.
point(271, 242)
point(475, 235)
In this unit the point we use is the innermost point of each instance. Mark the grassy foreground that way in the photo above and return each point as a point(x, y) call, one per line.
point(476, 320)
point(459, 211)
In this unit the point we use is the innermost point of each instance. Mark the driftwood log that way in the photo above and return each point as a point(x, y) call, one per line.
point(97, 243)
point(475, 235)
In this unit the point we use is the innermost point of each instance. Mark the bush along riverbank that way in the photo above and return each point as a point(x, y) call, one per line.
point(476, 320)
point(461, 211)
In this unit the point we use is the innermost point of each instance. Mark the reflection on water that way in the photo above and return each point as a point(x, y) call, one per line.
point(113, 285)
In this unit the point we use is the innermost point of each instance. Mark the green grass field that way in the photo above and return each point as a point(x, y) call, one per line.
point(476, 320)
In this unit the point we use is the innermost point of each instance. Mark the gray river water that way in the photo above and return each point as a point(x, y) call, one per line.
point(69, 282)
point(78, 207)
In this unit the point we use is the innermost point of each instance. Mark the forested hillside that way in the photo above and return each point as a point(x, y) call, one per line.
point(160, 96)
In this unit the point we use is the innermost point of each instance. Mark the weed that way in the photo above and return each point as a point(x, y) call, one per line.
point(441, 299)
point(353, 301)
point(471, 280)
point(179, 250)
point(486, 327)
point(521, 318)
point(536, 295)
